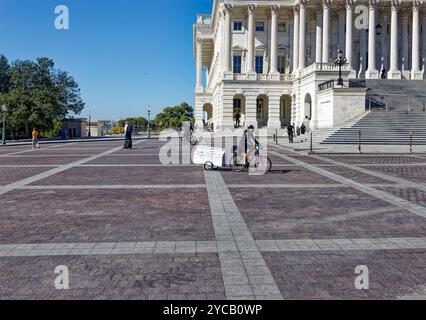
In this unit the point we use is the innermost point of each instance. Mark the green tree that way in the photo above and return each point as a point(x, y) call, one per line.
point(37, 94)
point(173, 117)
point(4, 75)
point(139, 124)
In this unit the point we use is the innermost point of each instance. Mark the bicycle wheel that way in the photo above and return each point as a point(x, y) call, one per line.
point(235, 166)
point(263, 162)
point(208, 166)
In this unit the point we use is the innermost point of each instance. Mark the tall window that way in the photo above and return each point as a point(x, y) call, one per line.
point(237, 106)
point(260, 26)
point(238, 26)
point(282, 64)
point(259, 64)
point(237, 64)
point(282, 27)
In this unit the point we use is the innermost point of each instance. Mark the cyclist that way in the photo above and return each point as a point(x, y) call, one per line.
point(248, 145)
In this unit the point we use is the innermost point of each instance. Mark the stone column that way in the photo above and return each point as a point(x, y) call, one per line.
point(372, 72)
point(250, 43)
point(405, 59)
point(227, 9)
point(341, 39)
point(274, 112)
point(318, 50)
point(302, 31)
point(362, 53)
point(424, 44)
point(385, 42)
point(326, 31)
point(199, 87)
point(349, 31)
point(274, 43)
point(394, 72)
point(251, 109)
point(415, 63)
point(296, 39)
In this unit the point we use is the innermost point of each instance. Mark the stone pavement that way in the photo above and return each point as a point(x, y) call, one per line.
point(128, 227)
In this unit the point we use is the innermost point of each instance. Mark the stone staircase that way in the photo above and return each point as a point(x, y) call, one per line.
point(320, 135)
point(384, 128)
point(398, 95)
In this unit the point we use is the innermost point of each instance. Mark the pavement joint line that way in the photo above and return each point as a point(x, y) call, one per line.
point(382, 195)
point(230, 256)
point(297, 186)
point(111, 187)
point(43, 175)
point(22, 151)
point(389, 165)
point(35, 156)
point(148, 165)
point(372, 173)
point(225, 211)
point(272, 186)
point(29, 166)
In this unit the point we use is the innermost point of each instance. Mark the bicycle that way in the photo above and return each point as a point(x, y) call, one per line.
point(257, 161)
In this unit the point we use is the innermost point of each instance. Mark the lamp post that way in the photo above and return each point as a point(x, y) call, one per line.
point(379, 29)
point(90, 129)
point(340, 61)
point(149, 122)
point(4, 110)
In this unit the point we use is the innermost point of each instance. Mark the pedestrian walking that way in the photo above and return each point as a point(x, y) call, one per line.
point(35, 134)
point(290, 131)
point(238, 120)
point(128, 131)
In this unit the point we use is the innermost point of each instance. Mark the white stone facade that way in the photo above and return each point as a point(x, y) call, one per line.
point(266, 59)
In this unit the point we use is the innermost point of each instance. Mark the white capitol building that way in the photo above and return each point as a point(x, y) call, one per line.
point(272, 61)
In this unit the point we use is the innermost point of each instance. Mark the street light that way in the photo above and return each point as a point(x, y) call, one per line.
point(4, 110)
point(90, 129)
point(340, 61)
point(149, 122)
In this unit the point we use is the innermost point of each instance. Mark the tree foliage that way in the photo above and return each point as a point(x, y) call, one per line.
point(37, 95)
point(139, 124)
point(173, 117)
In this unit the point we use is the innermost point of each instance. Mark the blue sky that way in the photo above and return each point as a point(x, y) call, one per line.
point(110, 47)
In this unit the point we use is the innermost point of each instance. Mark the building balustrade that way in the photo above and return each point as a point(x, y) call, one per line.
point(351, 83)
point(263, 77)
point(204, 19)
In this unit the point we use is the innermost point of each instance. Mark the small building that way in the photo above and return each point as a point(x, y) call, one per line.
point(72, 128)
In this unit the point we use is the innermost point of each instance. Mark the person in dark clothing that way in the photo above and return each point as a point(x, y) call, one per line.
point(290, 131)
point(303, 129)
point(128, 131)
point(237, 120)
point(383, 74)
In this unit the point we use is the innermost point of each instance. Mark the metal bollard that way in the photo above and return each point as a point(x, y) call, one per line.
point(359, 141)
point(276, 136)
point(312, 142)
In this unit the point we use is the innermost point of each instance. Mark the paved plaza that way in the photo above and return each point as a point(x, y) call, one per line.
point(128, 227)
